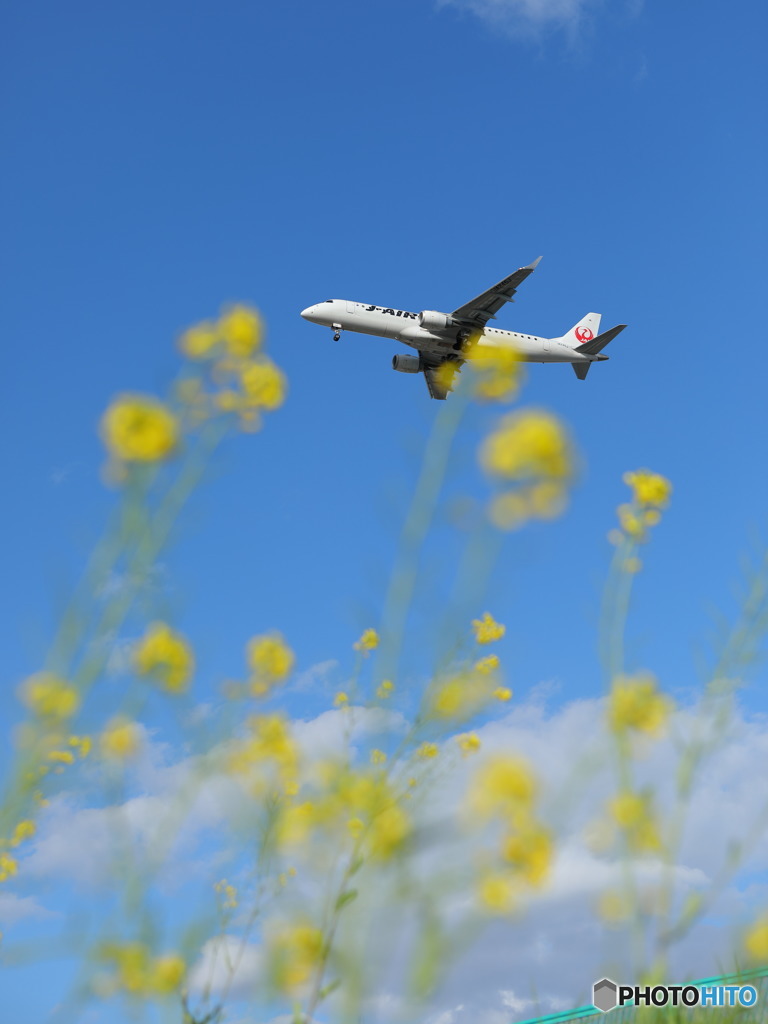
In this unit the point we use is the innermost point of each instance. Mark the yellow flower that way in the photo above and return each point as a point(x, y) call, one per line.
point(49, 696)
point(264, 384)
point(756, 940)
point(633, 814)
point(496, 892)
point(341, 700)
point(132, 961)
point(635, 703)
point(61, 756)
point(167, 973)
point(497, 371)
point(139, 428)
point(295, 824)
point(613, 907)
point(24, 830)
point(546, 499)
point(469, 742)
point(8, 866)
point(452, 698)
point(166, 655)
point(427, 751)
point(388, 831)
point(295, 952)
point(509, 511)
point(120, 740)
point(199, 342)
point(385, 689)
point(631, 523)
point(378, 757)
point(487, 629)
point(502, 693)
point(229, 893)
point(504, 785)
point(241, 329)
point(356, 827)
point(650, 490)
point(270, 658)
point(228, 400)
point(530, 853)
point(369, 641)
point(488, 664)
point(81, 743)
point(445, 374)
point(527, 445)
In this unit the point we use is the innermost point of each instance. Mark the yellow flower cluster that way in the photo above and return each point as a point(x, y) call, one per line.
point(139, 428)
point(756, 940)
point(139, 973)
point(269, 747)
point(469, 743)
point(468, 691)
point(238, 333)
point(24, 830)
point(360, 802)
point(120, 741)
point(504, 789)
point(496, 371)
point(530, 451)
point(8, 866)
point(228, 894)
point(635, 704)
point(650, 490)
point(49, 696)
point(166, 656)
point(633, 813)
point(294, 953)
point(368, 642)
point(487, 630)
point(270, 660)
point(385, 689)
point(246, 381)
point(650, 494)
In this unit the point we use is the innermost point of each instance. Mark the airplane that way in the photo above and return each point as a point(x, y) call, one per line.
point(442, 337)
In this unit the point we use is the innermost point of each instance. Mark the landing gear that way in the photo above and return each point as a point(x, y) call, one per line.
point(336, 335)
point(336, 331)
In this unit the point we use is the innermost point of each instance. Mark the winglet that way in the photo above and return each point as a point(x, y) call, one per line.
point(532, 266)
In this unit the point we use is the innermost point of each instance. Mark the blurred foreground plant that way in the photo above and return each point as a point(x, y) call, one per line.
point(334, 851)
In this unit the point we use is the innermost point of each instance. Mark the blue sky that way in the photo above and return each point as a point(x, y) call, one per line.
point(165, 158)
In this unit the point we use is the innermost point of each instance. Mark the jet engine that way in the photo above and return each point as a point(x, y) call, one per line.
point(406, 363)
point(431, 320)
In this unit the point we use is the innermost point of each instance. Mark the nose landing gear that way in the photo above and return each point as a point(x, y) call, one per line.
point(336, 331)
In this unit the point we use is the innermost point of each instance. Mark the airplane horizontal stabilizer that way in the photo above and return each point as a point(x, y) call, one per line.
point(591, 348)
point(581, 369)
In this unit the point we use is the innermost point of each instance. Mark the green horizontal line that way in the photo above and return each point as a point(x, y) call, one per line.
point(590, 1011)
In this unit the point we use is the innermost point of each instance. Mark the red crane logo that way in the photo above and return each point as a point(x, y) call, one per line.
point(584, 334)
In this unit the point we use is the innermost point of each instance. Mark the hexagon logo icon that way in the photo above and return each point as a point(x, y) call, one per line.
point(604, 994)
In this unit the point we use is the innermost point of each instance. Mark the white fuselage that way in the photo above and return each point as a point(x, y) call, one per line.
point(402, 325)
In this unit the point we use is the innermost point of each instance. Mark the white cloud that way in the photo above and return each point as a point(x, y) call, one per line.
point(538, 961)
point(227, 963)
point(15, 908)
point(526, 16)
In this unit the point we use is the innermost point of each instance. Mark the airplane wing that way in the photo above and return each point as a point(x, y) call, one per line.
point(484, 308)
point(439, 384)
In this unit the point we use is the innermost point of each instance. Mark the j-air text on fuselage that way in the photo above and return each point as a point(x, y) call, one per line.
point(442, 337)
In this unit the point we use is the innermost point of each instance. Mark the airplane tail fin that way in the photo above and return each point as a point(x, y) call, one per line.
point(585, 330)
point(594, 348)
